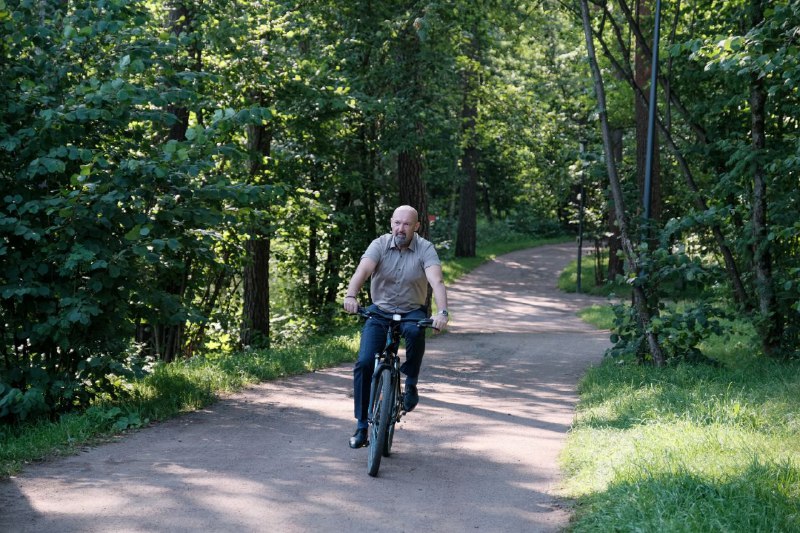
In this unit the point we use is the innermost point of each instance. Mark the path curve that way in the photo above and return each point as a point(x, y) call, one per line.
point(479, 452)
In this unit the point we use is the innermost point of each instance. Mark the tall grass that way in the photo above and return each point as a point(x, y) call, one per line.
point(688, 447)
point(191, 384)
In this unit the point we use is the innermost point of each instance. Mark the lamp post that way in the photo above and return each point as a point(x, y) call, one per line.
point(581, 207)
point(651, 117)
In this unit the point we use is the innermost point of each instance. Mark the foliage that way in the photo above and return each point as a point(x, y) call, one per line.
point(680, 330)
point(131, 182)
point(710, 68)
point(111, 228)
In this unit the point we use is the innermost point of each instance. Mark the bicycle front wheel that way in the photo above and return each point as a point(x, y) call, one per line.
point(380, 414)
point(395, 416)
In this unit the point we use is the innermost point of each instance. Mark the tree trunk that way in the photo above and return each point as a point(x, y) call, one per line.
point(615, 263)
point(412, 188)
point(165, 337)
point(467, 234)
point(771, 329)
point(639, 297)
point(314, 292)
point(255, 319)
point(487, 204)
point(180, 20)
point(255, 326)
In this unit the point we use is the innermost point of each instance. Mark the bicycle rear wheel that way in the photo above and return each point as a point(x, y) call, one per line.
point(380, 414)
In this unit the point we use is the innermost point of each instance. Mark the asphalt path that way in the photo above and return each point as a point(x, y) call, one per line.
point(480, 452)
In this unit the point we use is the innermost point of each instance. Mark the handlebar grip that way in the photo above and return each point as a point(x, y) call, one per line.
point(427, 323)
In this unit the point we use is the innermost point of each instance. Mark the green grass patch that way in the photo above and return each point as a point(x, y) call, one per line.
point(568, 279)
point(600, 316)
point(188, 385)
point(688, 447)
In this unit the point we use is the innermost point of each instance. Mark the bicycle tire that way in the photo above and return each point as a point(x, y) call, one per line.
point(380, 411)
point(387, 446)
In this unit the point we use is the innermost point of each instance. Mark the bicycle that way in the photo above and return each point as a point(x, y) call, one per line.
point(385, 400)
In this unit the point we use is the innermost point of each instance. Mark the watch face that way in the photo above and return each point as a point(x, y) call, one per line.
point(444, 312)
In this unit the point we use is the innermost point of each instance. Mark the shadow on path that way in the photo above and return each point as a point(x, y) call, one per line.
point(480, 451)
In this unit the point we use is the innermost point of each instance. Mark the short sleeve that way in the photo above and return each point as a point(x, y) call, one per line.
point(374, 251)
point(429, 256)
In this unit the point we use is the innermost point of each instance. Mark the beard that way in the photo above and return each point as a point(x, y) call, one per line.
point(402, 240)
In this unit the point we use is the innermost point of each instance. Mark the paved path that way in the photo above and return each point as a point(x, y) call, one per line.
point(479, 452)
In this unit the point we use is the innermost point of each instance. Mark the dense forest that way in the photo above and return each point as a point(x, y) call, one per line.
point(182, 176)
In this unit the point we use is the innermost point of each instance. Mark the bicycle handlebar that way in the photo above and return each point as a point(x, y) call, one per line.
point(423, 323)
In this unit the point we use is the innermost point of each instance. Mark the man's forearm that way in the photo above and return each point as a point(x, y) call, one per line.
point(440, 296)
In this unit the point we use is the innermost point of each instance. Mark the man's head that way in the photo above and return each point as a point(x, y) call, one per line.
point(405, 221)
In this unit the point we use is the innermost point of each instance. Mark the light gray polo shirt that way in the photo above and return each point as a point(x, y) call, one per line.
point(399, 284)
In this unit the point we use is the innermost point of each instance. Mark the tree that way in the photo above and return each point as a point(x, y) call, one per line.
point(640, 299)
point(466, 237)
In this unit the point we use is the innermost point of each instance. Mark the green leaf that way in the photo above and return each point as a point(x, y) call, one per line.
point(133, 234)
point(171, 147)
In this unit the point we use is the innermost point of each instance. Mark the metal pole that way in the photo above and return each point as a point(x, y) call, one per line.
point(651, 119)
point(581, 204)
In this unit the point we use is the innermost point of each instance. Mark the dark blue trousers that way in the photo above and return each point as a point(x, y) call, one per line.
point(373, 340)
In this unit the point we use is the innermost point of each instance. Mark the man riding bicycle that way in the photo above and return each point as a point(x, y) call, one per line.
point(401, 264)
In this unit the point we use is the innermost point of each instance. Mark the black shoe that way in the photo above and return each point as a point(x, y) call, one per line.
point(359, 439)
point(410, 398)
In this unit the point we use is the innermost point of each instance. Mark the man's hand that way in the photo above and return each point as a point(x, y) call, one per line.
point(350, 304)
point(439, 322)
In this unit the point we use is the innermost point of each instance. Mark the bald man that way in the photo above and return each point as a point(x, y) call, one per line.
point(401, 264)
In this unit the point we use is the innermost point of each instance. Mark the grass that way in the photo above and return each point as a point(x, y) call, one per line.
point(568, 279)
point(188, 385)
point(600, 316)
point(687, 447)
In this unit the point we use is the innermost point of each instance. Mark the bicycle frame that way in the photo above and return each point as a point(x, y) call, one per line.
point(388, 358)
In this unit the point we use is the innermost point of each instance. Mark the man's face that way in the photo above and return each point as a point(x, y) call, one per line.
point(404, 224)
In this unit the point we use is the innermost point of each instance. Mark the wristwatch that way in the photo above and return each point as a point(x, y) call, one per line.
point(444, 312)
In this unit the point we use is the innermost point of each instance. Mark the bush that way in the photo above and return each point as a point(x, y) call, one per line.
point(30, 391)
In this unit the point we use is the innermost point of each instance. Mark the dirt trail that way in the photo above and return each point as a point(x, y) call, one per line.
point(479, 452)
